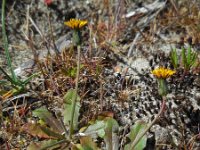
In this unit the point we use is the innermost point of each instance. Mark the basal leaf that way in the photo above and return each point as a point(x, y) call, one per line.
point(111, 137)
point(96, 129)
point(49, 119)
point(36, 130)
point(69, 95)
point(88, 144)
point(68, 108)
point(43, 144)
point(68, 112)
point(136, 130)
point(51, 133)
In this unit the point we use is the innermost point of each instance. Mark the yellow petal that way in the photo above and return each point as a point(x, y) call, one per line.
point(75, 23)
point(163, 73)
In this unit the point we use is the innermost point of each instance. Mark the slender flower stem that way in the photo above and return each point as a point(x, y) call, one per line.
point(5, 41)
point(138, 138)
point(76, 93)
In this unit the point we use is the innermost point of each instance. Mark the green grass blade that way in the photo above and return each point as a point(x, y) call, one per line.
point(184, 59)
point(174, 57)
point(193, 58)
point(3, 82)
point(7, 76)
point(5, 41)
point(30, 78)
point(189, 53)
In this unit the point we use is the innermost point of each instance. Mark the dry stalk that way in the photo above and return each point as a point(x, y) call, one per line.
point(138, 138)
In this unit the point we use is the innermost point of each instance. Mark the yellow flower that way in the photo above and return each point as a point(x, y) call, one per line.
point(163, 73)
point(75, 23)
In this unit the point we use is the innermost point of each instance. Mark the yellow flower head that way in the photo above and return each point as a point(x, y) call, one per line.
point(163, 73)
point(75, 23)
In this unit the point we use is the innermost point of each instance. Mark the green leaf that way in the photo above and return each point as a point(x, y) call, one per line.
point(87, 144)
point(7, 76)
point(41, 131)
point(68, 108)
point(28, 79)
point(48, 118)
point(183, 56)
point(189, 58)
point(68, 112)
point(5, 43)
point(77, 147)
point(189, 53)
point(111, 137)
point(43, 145)
point(193, 59)
point(69, 95)
point(71, 72)
point(174, 57)
point(96, 129)
point(51, 133)
point(3, 82)
point(136, 129)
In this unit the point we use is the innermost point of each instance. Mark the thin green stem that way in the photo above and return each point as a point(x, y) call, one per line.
point(5, 41)
point(138, 138)
point(76, 93)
